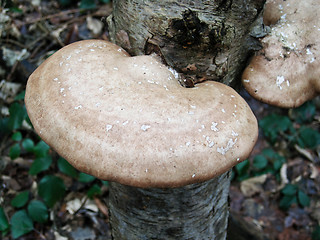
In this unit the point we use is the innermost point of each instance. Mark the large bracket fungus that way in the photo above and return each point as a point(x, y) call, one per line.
point(128, 120)
point(286, 72)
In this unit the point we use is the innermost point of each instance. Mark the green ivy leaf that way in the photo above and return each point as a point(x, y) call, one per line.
point(51, 189)
point(20, 200)
point(67, 168)
point(65, 3)
point(18, 113)
point(278, 162)
point(290, 190)
point(260, 162)
point(305, 113)
point(303, 198)
point(21, 224)
point(286, 201)
point(316, 233)
point(308, 137)
point(105, 183)
point(87, 4)
point(40, 164)
point(17, 136)
point(41, 149)
point(38, 211)
point(242, 170)
point(273, 157)
point(93, 191)
point(15, 151)
point(20, 96)
point(273, 124)
point(4, 224)
point(4, 126)
point(85, 178)
point(28, 145)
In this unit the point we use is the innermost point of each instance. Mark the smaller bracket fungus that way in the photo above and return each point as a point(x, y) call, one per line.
point(127, 119)
point(286, 72)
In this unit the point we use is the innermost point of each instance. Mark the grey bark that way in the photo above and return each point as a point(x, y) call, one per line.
point(197, 211)
point(202, 39)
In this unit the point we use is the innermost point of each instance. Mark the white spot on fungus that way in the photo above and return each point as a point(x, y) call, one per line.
point(210, 143)
point(108, 127)
point(193, 175)
point(145, 127)
point(280, 80)
point(61, 90)
point(78, 107)
point(125, 123)
point(115, 68)
point(223, 110)
point(309, 52)
point(214, 127)
point(224, 150)
point(234, 134)
point(174, 72)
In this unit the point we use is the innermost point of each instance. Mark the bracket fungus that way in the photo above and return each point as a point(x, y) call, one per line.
point(286, 71)
point(127, 119)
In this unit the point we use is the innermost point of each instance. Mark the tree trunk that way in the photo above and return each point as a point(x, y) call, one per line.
point(197, 211)
point(202, 40)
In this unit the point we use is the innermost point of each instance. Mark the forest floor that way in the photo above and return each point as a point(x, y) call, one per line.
point(274, 194)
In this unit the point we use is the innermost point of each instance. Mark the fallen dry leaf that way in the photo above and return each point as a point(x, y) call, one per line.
point(253, 185)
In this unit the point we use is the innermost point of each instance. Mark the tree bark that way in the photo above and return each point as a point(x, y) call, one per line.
point(197, 211)
point(203, 39)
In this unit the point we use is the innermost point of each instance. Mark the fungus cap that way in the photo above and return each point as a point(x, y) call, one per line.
point(127, 119)
point(286, 72)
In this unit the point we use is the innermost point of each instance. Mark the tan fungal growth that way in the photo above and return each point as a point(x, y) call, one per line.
point(127, 119)
point(286, 72)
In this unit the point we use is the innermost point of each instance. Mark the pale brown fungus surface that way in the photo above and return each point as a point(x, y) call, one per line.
point(127, 119)
point(286, 72)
